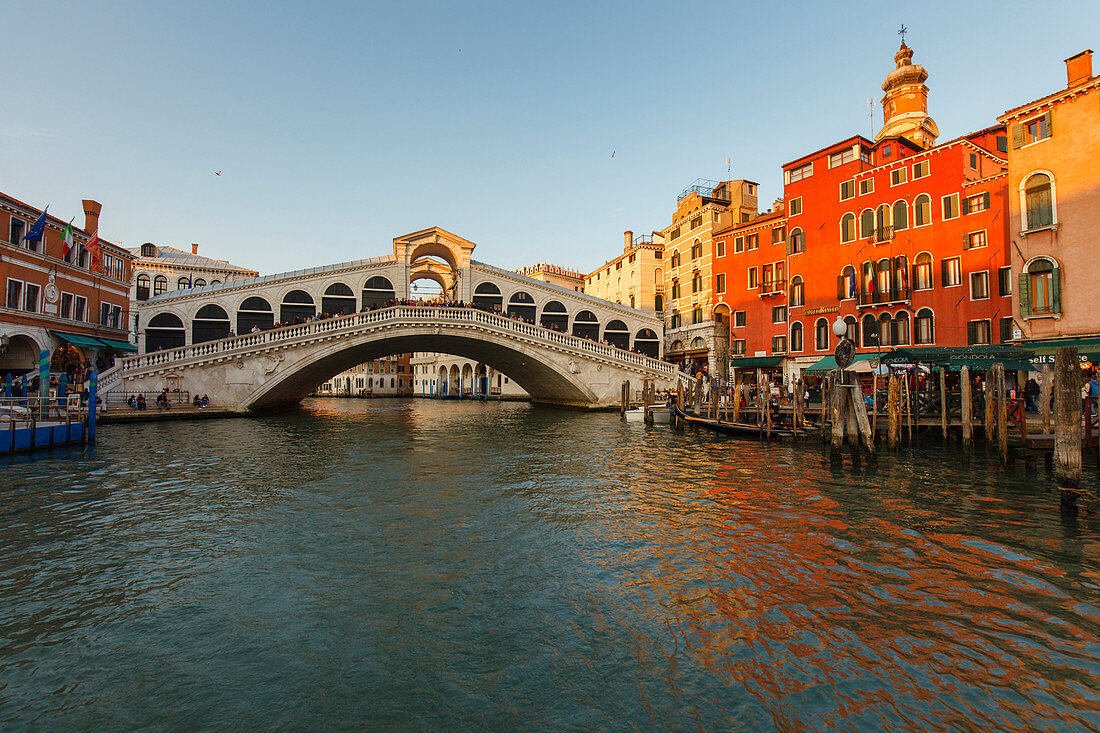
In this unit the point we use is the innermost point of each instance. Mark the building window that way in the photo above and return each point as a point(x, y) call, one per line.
point(796, 336)
point(951, 272)
point(848, 228)
point(979, 285)
point(1004, 281)
point(866, 186)
point(842, 157)
point(920, 170)
point(80, 307)
point(183, 283)
point(798, 241)
point(923, 210)
point(847, 284)
point(974, 161)
point(721, 248)
point(847, 190)
point(901, 216)
point(901, 329)
point(738, 245)
point(978, 333)
point(897, 177)
point(674, 234)
point(1006, 329)
point(1002, 143)
point(867, 224)
point(67, 305)
point(779, 314)
point(1040, 289)
point(148, 250)
point(1037, 129)
point(18, 229)
point(1039, 201)
point(697, 222)
point(738, 347)
point(696, 250)
point(739, 319)
point(199, 282)
point(974, 204)
point(752, 241)
point(675, 289)
point(922, 272)
point(973, 240)
point(779, 234)
point(142, 291)
point(674, 263)
point(697, 315)
point(821, 334)
point(754, 280)
point(797, 174)
point(697, 283)
point(924, 330)
point(795, 207)
point(720, 282)
point(950, 206)
point(798, 291)
point(779, 344)
point(15, 293)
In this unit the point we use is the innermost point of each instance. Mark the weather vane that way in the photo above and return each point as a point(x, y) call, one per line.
point(901, 32)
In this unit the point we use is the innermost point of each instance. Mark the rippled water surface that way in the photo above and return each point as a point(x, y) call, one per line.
point(420, 565)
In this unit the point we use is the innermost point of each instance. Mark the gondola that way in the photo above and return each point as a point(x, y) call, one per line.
point(745, 430)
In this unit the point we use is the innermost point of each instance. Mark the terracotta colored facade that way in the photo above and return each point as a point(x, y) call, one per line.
point(48, 292)
point(1054, 204)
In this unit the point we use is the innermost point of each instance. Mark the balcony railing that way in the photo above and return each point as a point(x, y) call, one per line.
point(882, 234)
point(707, 189)
point(894, 295)
point(643, 239)
point(772, 287)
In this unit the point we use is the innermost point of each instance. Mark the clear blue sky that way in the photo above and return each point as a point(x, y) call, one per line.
point(338, 126)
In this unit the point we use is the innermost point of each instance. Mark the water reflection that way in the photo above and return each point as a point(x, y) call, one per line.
point(440, 565)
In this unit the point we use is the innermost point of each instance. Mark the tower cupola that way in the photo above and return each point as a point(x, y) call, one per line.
point(905, 104)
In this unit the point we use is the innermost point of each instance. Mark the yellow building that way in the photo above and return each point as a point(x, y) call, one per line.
point(563, 277)
point(701, 209)
point(636, 278)
point(1054, 205)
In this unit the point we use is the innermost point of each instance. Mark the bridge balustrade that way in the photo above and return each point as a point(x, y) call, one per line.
point(402, 313)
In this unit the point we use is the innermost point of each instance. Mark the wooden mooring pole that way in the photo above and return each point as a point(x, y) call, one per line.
point(1002, 411)
point(836, 416)
point(967, 405)
point(1067, 425)
point(893, 412)
point(943, 403)
point(1045, 392)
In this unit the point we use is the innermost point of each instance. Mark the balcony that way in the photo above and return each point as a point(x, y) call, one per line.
point(772, 287)
point(893, 297)
point(881, 234)
point(706, 189)
point(642, 239)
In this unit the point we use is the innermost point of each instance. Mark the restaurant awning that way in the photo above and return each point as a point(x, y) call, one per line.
point(975, 357)
point(123, 346)
point(756, 362)
point(76, 339)
point(861, 363)
point(1087, 349)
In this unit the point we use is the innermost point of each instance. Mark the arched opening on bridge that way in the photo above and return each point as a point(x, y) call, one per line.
point(586, 326)
point(437, 250)
point(377, 292)
point(521, 305)
point(468, 380)
point(427, 286)
point(454, 384)
point(646, 342)
point(617, 334)
point(487, 296)
point(165, 331)
point(441, 381)
point(209, 324)
point(338, 299)
point(297, 306)
point(482, 380)
point(555, 317)
point(254, 313)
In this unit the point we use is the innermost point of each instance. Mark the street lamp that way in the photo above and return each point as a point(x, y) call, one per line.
point(840, 328)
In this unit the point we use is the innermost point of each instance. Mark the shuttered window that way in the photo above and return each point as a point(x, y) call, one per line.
point(1038, 201)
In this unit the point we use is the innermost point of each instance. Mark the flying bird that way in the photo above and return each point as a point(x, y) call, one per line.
point(217, 173)
point(612, 153)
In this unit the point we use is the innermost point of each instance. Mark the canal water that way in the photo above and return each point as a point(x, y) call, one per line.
point(415, 565)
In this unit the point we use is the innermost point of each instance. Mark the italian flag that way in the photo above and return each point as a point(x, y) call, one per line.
point(67, 238)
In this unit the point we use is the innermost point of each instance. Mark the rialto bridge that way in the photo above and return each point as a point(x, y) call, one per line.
point(267, 342)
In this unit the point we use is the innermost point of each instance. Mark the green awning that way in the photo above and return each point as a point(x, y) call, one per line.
point(756, 362)
point(123, 346)
point(1087, 349)
point(828, 364)
point(77, 340)
point(975, 357)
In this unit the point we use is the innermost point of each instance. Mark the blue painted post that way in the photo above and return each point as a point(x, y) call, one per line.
point(93, 384)
point(44, 381)
point(62, 389)
point(7, 385)
point(21, 392)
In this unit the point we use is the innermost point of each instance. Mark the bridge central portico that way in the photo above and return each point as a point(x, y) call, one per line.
point(268, 341)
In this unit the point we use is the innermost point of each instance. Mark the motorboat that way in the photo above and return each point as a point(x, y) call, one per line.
point(660, 414)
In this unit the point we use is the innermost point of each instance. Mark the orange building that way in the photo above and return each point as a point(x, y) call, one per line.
point(74, 304)
point(1054, 204)
point(904, 239)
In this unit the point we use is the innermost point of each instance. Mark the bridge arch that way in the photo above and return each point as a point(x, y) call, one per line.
point(338, 298)
point(586, 325)
point(210, 323)
point(377, 292)
point(254, 312)
point(646, 342)
point(487, 295)
point(555, 316)
point(165, 331)
point(617, 334)
point(522, 306)
point(296, 304)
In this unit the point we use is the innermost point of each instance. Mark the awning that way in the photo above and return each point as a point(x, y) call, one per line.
point(861, 363)
point(77, 340)
point(975, 357)
point(756, 362)
point(1087, 349)
point(124, 346)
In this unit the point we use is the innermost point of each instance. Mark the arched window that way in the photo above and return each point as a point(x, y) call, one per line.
point(870, 330)
point(901, 277)
point(183, 283)
point(199, 283)
point(1038, 201)
point(254, 312)
point(165, 331)
point(554, 316)
point(160, 285)
point(210, 324)
point(1040, 288)
point(853, 329)
point(646, 342)
point(848, 228)
point(675, 259)
point(142, 292)
point(883, 231)
point(148, 250)
point(885, 330)
point(675, 289)
point(847, 286)
point(658, 303)
point(215, 282)
point(696, 282)
point(297, 305)
point(901, 215)
point(924, 327)
point(617, 334)
point(796, 336)
point(798, 241)
point(696, 250)
point(798, 291)
point(521, 305)
point(882, 277)
point(821, 334)
point(901, 328)
point(487, 297)
point(377, 291)
point(338, 298)
point(923, 210)
point(922, 272)
point(867, 224)
point(586, 325)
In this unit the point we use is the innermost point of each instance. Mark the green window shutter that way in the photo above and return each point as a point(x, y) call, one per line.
point(840, 294)
point(1025, 295)
point(943, 273)
point(966, 205)
point(1047, 129)
point(971, 333)
point(1017, 136)
point(987, 199)
point(1056, 289)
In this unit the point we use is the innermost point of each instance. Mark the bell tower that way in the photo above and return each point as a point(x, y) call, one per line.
point(905, 104)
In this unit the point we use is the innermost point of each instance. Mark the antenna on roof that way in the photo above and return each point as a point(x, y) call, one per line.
point(871, 115)
point(729, 162)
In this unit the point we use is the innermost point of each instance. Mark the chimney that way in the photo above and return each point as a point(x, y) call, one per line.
point(91, 215)
point(194, 249)
point(1079, 68)
point(628, 240)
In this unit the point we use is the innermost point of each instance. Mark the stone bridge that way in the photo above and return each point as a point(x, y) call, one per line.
point(559, 344)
